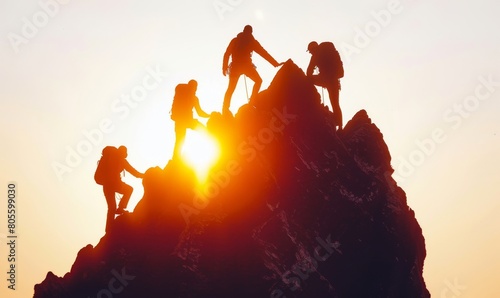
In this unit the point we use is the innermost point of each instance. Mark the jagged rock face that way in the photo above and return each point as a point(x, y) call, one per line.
point(292, 209)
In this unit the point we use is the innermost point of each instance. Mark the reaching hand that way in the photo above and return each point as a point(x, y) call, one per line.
point(224, 71)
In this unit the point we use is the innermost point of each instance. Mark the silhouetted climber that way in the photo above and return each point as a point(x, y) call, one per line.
point(185, 100)
point(107, 174)
point(327, 59)
point(240, 49)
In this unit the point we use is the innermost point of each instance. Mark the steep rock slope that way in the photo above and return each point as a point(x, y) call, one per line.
point(292, 209)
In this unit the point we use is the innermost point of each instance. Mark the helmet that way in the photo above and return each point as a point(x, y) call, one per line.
point(193, 85)
point(248, 29)
point(123, 151)
point(312, 45)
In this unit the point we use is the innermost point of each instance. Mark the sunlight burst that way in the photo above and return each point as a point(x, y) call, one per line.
point(200, 151)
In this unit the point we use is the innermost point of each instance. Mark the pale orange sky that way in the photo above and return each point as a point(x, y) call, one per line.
point(417, 67)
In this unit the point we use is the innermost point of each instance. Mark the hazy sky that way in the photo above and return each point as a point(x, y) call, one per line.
point(78, 75)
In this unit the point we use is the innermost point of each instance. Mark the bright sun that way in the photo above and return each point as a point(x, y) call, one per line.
point(200, 151)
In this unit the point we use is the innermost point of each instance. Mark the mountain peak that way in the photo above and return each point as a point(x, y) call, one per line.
point(292, 209)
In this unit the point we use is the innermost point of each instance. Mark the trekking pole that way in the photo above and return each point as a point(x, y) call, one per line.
point(246, 88)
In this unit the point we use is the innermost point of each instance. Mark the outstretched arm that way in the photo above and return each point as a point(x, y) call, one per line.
point(261, 51)
point(198, 109)
point(225, 60)
point(311, 67)
point(132, 171)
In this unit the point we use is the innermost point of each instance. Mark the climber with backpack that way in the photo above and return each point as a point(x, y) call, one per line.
point(326, 58)
point(108, 174)
point(185, 100)
point(240, 50)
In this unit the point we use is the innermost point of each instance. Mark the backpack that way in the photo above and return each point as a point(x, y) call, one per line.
point(243, 48)
point(329, 60)
point(182, 105)
point(109, 166)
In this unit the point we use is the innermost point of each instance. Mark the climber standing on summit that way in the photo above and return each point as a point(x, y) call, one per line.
point(240, 49)
point(326, 58)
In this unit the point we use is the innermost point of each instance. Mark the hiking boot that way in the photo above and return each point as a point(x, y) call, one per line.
point(121, 211)
point(227, 114)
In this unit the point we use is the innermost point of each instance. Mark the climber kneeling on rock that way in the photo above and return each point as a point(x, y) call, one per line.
point(107, 174)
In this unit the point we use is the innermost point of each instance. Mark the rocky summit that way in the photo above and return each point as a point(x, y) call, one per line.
point(292, 208)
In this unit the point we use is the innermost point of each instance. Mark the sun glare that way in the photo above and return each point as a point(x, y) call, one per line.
point(200, 151)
